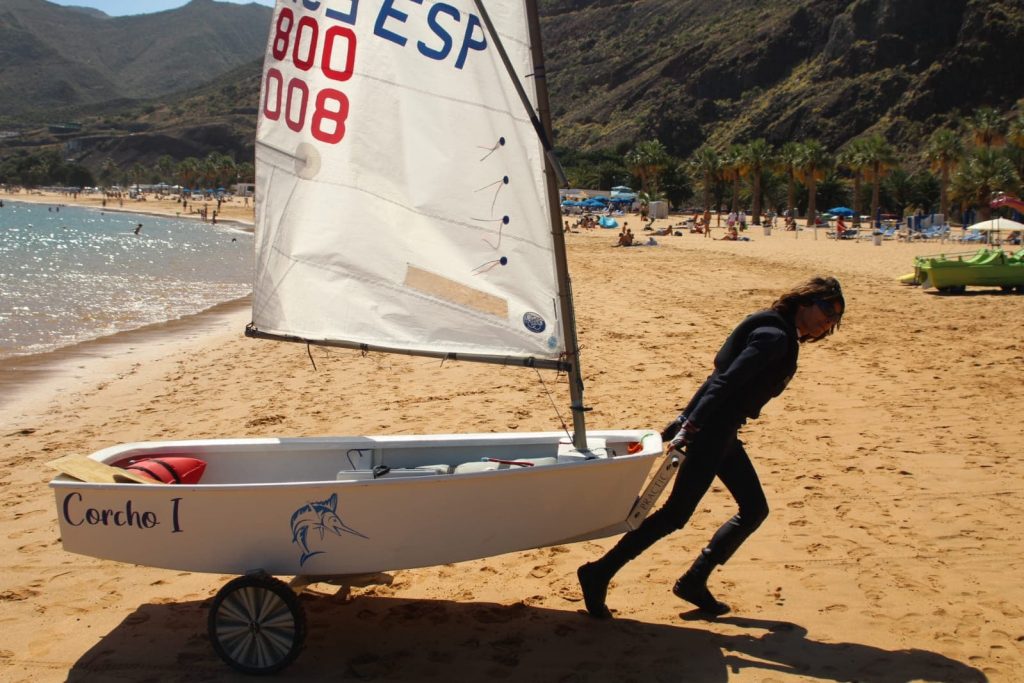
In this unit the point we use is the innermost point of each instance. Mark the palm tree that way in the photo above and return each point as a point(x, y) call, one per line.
point(707, 165)
point(880, 158)
point(787, 161)
point(109, 172)
point(987, 127)
point(188, 172)
point(944, 152)
point(164, 168)
point(137, 173)
point(246, 172)
point(981, 176)
point(732, 170)
point(1015, 137)
point(646, 161)
point(756, 157)
point(852, 158)
point(814, 162)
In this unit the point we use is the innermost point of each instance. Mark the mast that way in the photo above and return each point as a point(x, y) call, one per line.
point(542, 124)
point(558, 235)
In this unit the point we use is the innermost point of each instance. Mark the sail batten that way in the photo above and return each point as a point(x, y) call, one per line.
point(401, 196)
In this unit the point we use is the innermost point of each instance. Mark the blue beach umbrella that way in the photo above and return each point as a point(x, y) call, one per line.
point(840, 211)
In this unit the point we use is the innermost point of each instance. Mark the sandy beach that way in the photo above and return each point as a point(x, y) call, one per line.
point(892, 466)
point(236, 209)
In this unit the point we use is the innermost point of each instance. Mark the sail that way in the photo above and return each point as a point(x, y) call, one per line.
point(401, 198)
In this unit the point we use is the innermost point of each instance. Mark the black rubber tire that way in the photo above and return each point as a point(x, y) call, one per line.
point(257, 624)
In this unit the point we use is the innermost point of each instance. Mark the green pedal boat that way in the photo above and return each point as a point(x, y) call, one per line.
point(985, 268)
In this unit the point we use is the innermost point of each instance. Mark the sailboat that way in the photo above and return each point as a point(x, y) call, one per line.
point(407, 203)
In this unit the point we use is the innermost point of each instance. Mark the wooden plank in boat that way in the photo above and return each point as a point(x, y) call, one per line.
point(86, 469)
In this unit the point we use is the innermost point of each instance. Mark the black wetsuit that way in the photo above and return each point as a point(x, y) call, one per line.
point(754, 365)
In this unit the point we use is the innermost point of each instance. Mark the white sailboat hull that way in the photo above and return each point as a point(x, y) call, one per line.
point(311, 506)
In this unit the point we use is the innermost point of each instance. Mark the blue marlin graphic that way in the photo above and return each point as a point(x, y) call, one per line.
point(320, 516)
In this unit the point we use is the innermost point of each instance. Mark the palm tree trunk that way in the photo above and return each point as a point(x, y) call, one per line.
point(856, 200)
point(757, 198)
point(791, 195)
point(812, 203)
point(944, 193)
point(874, 200)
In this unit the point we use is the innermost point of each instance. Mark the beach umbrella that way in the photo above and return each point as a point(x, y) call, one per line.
point(840, 211)
point(592, 204)
point(601, 198)
point(996, 225)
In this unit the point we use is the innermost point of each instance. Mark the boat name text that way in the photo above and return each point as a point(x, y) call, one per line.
point(76, 514)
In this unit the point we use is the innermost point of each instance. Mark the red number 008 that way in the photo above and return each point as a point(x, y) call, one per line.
point(330, 106)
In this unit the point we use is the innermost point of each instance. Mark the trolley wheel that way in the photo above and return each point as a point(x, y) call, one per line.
point(257, 624)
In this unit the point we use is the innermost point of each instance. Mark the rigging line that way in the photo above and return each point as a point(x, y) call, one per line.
point(504, 220)
point(500, 183)
point(565, 427)
point(492, 150)
point(538, 69)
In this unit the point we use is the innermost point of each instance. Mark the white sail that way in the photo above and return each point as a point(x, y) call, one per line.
point(401, 201)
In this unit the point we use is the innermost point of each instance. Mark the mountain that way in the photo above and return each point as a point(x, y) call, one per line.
point(58, 59)
point(688, 72)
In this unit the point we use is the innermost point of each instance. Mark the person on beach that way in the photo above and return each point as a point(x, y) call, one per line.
point(754, 365)
point(138, 228)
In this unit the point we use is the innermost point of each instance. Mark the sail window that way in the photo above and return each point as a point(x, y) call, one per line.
point(455, 292)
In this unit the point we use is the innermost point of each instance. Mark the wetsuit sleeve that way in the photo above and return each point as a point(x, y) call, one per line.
point(765, 345)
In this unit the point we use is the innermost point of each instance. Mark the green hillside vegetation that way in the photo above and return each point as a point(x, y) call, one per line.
point(691, 100)
point(58, 59)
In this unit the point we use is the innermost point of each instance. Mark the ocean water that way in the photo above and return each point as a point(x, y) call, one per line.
point(74, 274)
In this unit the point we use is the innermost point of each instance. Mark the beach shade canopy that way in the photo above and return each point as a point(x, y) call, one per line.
point(606, 222)
point(840, 211)
point(996, 225)
point(570, 202)
point(601, 198)
point(592, 203)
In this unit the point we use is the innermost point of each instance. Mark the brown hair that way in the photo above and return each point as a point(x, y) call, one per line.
point(806, 293)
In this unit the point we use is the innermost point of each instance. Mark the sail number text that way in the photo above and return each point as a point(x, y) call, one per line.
point(306, 44)
point(334, 54)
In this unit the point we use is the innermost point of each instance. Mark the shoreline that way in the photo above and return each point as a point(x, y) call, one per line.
point(242, 216)
point(20, 374)
point(30, 381)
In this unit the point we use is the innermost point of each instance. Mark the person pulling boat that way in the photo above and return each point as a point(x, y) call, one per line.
point(754, 365)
